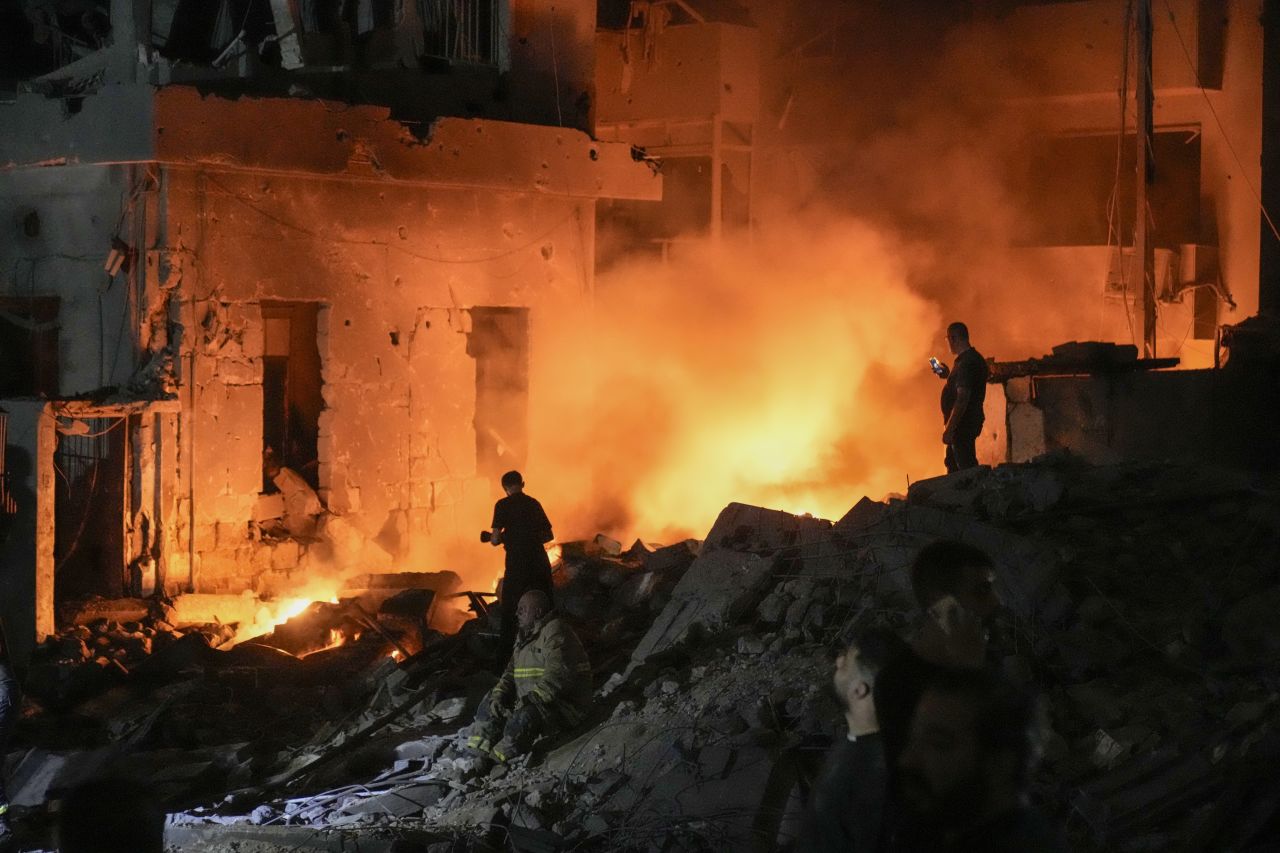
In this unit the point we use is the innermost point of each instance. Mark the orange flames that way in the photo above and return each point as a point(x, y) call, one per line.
point(271, 613)
point(789, 372)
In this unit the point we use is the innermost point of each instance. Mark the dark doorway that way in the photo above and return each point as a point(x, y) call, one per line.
point(89, 493)
point(291, 386)
point(28, 346)
point(499, 342)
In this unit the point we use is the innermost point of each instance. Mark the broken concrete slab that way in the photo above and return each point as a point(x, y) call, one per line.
point(716, 590)
point(753, 529)
point(111, 609)
point(672, 558)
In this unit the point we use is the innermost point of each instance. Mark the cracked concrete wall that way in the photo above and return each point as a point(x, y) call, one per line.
point(80, 208)
point(395, 271)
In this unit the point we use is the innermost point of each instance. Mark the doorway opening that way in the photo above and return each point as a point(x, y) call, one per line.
point(499, 342)
point(89, 508)
point(291, 387)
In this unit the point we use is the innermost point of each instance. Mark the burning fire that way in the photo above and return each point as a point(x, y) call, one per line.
point(789, 372)
point(276, 612)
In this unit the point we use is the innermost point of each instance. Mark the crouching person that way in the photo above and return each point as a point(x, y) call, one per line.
point(546, 687)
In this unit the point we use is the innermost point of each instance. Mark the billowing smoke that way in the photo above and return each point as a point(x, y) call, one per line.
point(764, 371)
point(788, 366)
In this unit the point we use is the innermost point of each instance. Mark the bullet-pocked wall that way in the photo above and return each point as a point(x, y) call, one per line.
point(396, 273)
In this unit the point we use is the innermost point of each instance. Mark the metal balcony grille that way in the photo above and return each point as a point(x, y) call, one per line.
point(461, 30)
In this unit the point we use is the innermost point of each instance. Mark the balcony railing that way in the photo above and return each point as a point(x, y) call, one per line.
point(461, 30)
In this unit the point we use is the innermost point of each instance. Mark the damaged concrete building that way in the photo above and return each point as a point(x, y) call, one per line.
point(357, 286)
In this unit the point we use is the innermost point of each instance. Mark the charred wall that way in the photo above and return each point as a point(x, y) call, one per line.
point(395, 274)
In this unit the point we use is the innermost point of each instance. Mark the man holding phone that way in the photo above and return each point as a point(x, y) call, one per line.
point(962, 399)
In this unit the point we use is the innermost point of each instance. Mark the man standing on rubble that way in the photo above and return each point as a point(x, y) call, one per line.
point(962, 399)
point(521, 526)
point(974, 741)
point(848, 806)
point(545, 688)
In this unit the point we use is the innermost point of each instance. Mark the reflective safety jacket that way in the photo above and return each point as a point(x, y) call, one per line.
point(551, 670)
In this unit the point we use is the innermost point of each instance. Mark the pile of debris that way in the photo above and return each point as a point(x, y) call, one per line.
point(1140, 600)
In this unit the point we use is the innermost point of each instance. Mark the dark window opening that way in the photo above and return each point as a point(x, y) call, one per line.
point(291, 387)
point(89, 494)
point(28, 347)
point(37, 38)
point(1068, 187)
point(1206, 306)
point(499, 342)
point(200, 31)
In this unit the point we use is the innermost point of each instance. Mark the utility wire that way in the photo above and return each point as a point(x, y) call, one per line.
point(1217, 120)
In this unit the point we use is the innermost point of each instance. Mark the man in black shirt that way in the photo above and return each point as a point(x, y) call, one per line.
point(848, 808)
point(521, 526)
point(962, 399)
point(965, 772)
point(953, 583)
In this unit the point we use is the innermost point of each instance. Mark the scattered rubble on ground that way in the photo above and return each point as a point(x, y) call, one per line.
point(1141, 599)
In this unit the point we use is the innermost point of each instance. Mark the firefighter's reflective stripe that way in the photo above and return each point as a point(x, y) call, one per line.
point(480, 742)
point(551, 669)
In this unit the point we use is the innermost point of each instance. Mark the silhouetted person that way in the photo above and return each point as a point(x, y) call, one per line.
point(545, 688)
point(521, 526)
point(848, 806)
point(110, 816)
point(962, 399)
point(954, 588)
point(964, 775)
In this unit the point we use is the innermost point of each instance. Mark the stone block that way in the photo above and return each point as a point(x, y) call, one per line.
point(719, 587)
point(754, 529)
point(204, 608)
point(864, 514)
point(606, 545)
point(673, 558)
point(636, 590)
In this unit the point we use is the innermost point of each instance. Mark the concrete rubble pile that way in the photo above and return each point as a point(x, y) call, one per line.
point(1140, 599)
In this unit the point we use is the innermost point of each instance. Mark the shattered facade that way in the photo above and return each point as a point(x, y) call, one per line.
point(363, 293)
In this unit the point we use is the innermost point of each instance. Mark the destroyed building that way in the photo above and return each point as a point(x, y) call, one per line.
point(348, 241)
point(356, 286)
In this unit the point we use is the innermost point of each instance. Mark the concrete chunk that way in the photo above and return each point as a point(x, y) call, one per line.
point(716, 590)
point(754, 529)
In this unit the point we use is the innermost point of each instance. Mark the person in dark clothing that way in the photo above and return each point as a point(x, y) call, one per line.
point(962, 399)
point(848, 809)
point(953, 583)
point(10, 705)
point(965, 772)
point(521, 526)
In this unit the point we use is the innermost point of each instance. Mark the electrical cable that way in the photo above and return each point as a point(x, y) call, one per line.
point(555, 67)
